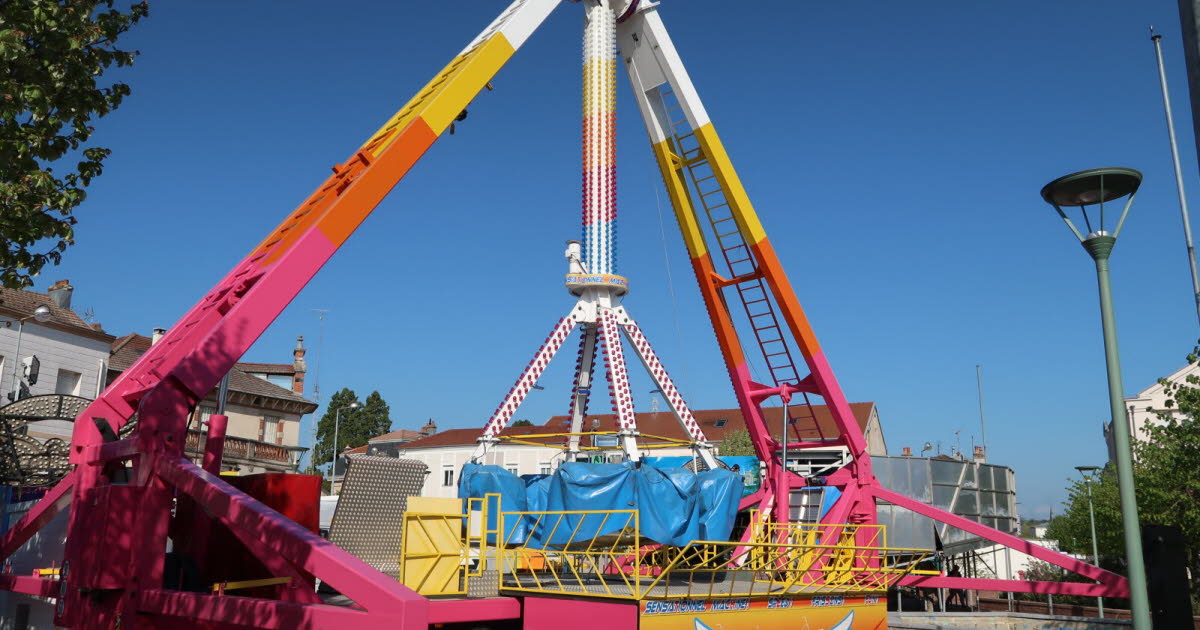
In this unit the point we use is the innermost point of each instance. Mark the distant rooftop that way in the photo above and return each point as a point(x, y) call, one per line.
point(19, 303)
point(126, 350)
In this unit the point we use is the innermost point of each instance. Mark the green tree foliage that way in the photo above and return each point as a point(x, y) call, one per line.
point(736, 443)
point(375, 418)
point(323, 449)
point(52, 56)
point(1167, 477)
point(522, 423)
point(370, 419)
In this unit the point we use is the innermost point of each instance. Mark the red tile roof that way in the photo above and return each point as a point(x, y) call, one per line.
point(359, 450)
point(816, 424)
point(406, 435)
point(267, 368)
point(23, 303)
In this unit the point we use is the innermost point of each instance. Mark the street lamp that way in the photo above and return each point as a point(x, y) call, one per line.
point(1086, 472)
point(41, 314)
point(1094, 188)
point(337, 420)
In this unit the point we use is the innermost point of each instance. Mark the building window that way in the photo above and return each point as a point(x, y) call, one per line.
point(720, 423)
point(206, 412)
point(512, 468)
point(271, 430)
point(67, 382)
point(447, 477)
point(546, 469)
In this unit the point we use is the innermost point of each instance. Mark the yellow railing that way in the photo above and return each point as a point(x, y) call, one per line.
point(658, 441)
point(567, 557)
point(562, 556)
point(601, 553)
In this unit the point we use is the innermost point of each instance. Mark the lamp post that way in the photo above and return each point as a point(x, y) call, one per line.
point(41, 314)
point(337, 420)
point(1086, 472)
point(1093, 188)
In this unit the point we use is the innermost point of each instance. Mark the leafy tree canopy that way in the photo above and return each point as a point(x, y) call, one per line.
point(53, 54)
point(357, 424)
point(737, 443)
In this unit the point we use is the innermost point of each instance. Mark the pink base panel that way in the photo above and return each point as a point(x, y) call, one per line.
point(544, 613)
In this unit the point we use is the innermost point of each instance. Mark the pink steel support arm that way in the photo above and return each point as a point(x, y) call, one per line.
point(55, 500)
point(1041, 553)
point(271, 533)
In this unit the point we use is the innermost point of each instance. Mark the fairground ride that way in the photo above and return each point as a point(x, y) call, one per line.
point(122, 491)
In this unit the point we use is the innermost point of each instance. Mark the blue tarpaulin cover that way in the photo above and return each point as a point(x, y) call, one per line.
point(674, 506)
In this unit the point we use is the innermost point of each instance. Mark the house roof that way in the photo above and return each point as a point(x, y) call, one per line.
point(126, 350)
point(815, 425)
point(22, 303)
point(359, 450)
point(267, 368)
point(463, 437)
point(406, 435)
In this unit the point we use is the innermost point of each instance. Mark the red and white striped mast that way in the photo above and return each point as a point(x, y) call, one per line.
point(592, 267)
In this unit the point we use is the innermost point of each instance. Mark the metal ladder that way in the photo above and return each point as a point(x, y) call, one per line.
point(742, 268)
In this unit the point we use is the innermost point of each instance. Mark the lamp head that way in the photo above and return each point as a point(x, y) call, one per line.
point(41, 313)
point(354, 405)
point(1087, 469)
point(1093, 187)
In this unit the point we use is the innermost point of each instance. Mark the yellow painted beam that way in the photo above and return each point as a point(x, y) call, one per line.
point(735, 193)
point(681, 199)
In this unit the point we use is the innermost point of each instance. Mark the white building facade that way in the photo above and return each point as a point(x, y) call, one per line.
point(61, 355)
point(1143, 409)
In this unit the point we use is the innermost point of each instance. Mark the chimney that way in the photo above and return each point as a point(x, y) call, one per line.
point(299, 367)
point(429, 429)
point(157, 334)
point(907, 452)
point(980, 456)
point(60, 292)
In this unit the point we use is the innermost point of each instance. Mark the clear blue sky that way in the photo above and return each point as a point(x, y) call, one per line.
point(894, 152)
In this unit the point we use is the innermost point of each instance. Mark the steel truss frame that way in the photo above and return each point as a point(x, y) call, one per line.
point(121, 491)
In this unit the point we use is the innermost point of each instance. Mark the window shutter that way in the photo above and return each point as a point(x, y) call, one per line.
point(262, 428)
point(279, 431)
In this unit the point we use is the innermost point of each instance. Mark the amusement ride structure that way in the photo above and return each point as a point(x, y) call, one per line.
point(124, 494)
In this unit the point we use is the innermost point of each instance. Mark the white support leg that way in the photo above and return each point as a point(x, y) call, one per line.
point(674, 399)
point(524, 384)
point(618, 384)
point(584, 371)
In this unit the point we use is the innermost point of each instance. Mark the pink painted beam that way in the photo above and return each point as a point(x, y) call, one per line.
point(121, 449)
point(1086, 589)
point(1008, 540)
point(274, 533)
point(29, 585)
point(466, 610)
point(55, 500)
point(839, 512)
point(225, 611)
